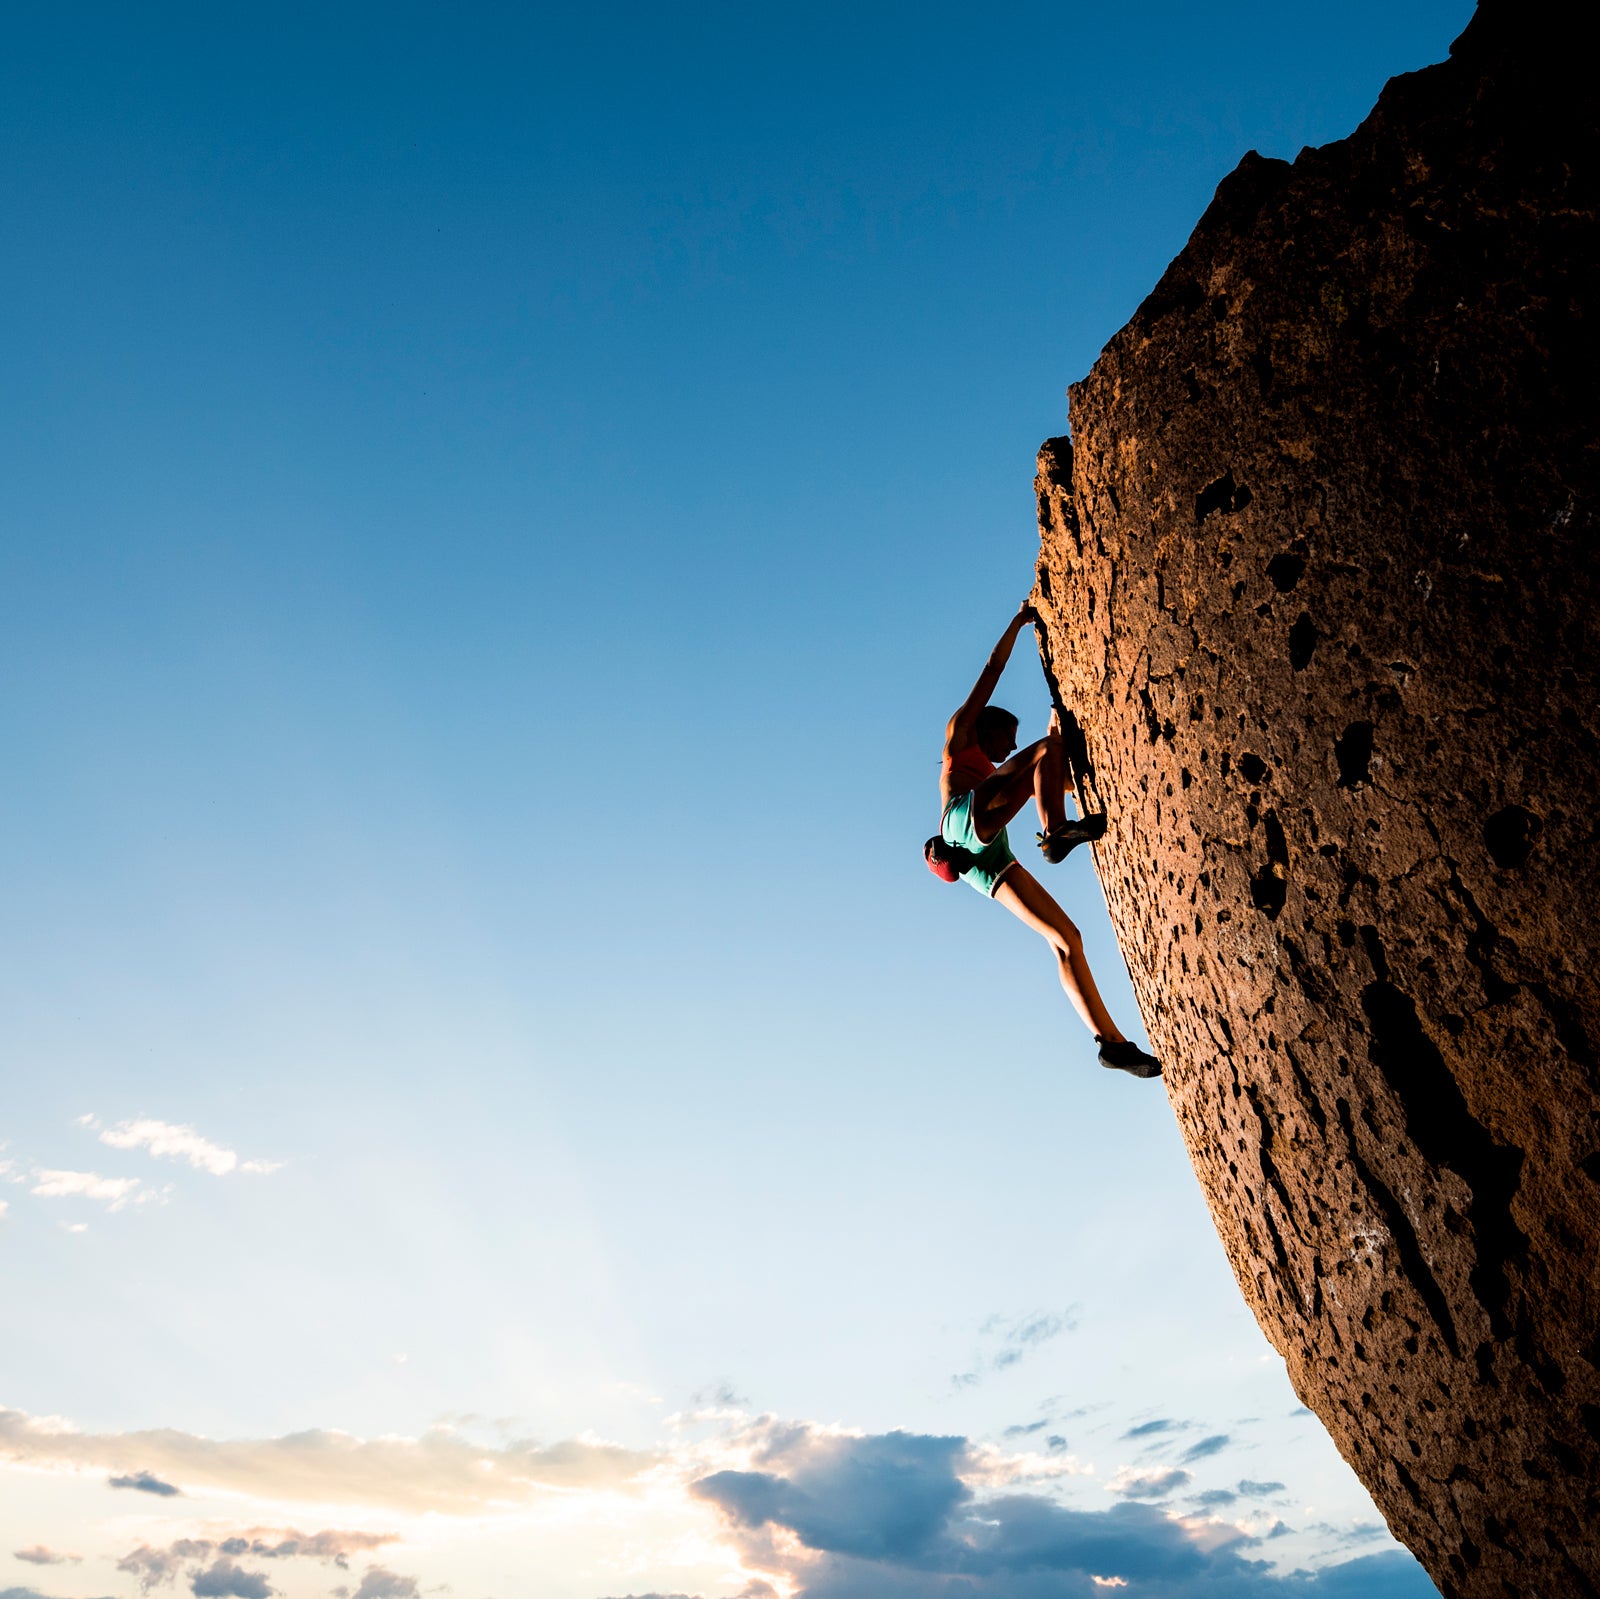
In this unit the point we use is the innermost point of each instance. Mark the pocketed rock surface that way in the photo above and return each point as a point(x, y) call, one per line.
point(1320, 580)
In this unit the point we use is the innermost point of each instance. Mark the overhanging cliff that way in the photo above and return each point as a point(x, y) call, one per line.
point(1320, 578)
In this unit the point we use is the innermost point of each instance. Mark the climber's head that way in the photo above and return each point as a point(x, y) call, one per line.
point(996, 733)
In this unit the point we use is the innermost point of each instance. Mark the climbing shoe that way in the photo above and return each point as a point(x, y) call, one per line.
point(1058, 845)
point(1126, 1056)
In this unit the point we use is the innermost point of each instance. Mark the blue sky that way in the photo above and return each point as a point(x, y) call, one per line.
point(498, 504)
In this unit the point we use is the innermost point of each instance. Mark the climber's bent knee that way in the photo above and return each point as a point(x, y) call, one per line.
point(1026, 897)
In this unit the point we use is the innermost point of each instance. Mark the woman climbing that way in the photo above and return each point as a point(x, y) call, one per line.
point(982, 785)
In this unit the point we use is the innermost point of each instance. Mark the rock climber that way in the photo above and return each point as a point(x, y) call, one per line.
point(982, 786)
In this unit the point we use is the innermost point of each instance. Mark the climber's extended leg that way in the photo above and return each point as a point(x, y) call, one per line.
point(1027, 899)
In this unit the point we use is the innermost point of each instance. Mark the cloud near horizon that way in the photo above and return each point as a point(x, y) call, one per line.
point(806, 1511)
point(224, 1579)
point(894, 1517)
point(380, 1583)
point(441, 1471)
point(213, 1560)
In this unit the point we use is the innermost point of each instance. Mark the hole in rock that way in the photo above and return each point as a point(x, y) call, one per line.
point(1285, 570)
point(1302, 641)
point(1277, 844)
point(1151, 721)
point(1509, 835)
point(1253, 767)
point(1353, 751)
point(1269, 888)
point(1268, 892)
point(1223, 494)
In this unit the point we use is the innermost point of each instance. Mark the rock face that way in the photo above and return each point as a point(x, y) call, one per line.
point(1320, 578)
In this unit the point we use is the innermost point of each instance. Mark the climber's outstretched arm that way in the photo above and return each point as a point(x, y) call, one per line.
point(960, 728)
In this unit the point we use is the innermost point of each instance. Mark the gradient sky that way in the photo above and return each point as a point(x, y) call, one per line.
point(497, 505)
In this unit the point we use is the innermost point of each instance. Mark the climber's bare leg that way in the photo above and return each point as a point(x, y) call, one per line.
point(1027, 899)
point(1051, 780)
point(1036, 773)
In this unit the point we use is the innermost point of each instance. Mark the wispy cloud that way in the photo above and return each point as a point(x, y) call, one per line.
point(1153, 1429)
point(146, 1483)
point(335, 1546)
point(38, 1555)
point(24, 1593)
point(1356, 1532)
point(1010, 1339)
point(115, 1193)
point(1131, 1484)
point(155, 1566)
point(381, 1584)
point(1026, 1333)
point(174, 1141)
point(1214, 1445)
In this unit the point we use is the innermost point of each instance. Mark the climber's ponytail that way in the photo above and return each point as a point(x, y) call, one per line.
point(945, 860)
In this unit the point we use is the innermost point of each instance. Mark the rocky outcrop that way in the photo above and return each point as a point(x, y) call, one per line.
point(1320, 577)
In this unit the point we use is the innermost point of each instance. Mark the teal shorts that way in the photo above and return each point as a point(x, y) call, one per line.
point(994, 858)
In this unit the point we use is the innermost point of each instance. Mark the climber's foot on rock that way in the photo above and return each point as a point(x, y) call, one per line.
point(1061, 842)
point(1126, 1056)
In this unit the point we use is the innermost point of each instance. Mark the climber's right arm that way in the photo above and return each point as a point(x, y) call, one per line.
point(958, 732)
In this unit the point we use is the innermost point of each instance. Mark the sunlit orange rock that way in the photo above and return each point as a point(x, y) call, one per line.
point(1320, 578)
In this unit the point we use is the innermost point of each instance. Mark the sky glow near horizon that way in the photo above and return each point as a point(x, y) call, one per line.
point(498, 508)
